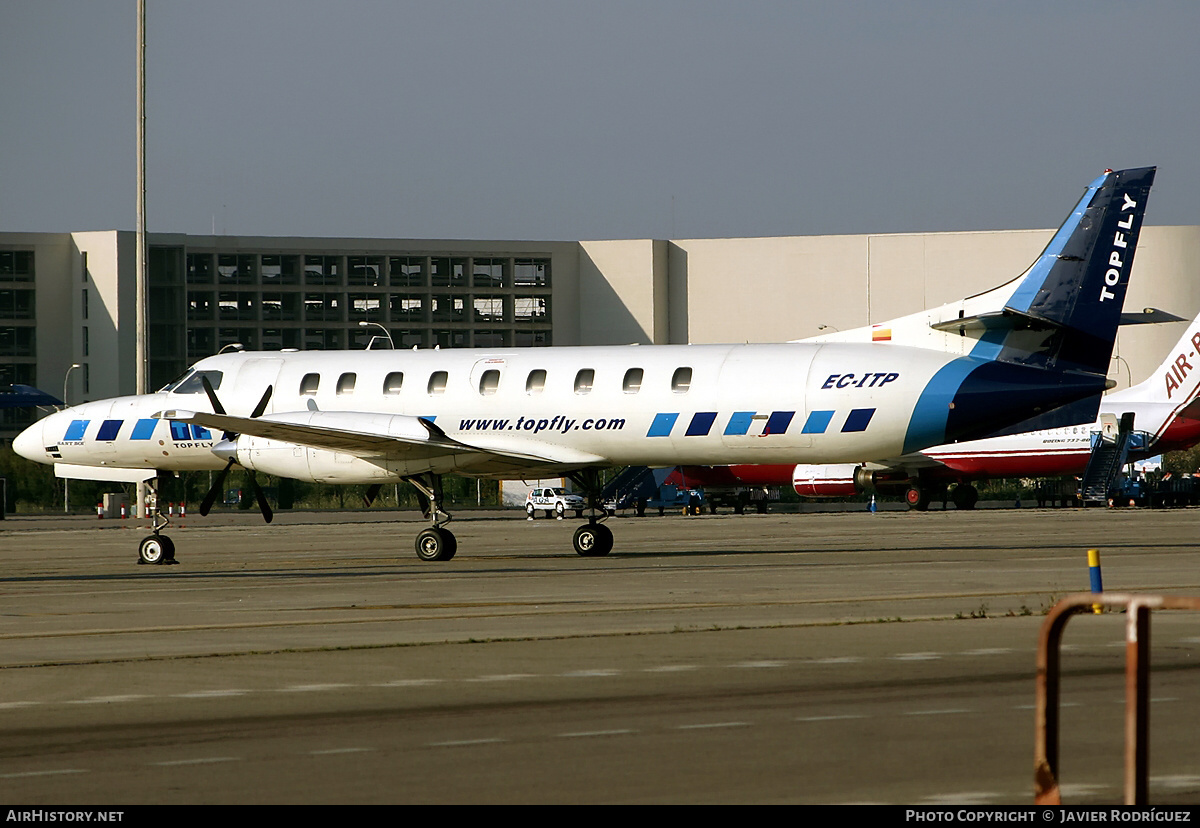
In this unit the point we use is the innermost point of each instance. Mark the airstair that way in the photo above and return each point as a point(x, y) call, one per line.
point(1110, 451)
point(634, 483)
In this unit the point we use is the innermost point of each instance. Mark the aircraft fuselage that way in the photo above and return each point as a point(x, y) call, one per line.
point(567, 407)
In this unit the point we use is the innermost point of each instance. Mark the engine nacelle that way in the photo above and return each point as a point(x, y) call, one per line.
point(324, 465)
point(847, 480)
point(839, 480)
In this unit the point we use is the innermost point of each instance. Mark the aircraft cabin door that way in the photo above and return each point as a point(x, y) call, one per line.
point(486, 375)
point(1108, 426)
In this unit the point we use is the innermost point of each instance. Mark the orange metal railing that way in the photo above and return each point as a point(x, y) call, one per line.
point(1137, 681)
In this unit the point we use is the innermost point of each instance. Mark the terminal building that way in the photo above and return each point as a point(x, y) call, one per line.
point(67, 300)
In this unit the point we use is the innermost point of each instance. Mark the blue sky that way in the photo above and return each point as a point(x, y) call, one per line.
point(541, 119)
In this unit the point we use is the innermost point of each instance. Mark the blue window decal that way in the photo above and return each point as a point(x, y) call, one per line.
point(701, 423)
point(739, 423)
point(143, 430)
point(108, 430)
point(662, 425)
point(179, 432)
point(200, 433)
point(817, 422)
point(778, 422)
point(75, 429)
point(858, 419)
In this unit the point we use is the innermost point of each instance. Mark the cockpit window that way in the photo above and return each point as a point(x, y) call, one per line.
point(170, 385)
point(192, 383)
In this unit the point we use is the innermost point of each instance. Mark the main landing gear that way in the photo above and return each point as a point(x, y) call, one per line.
point(964, 496)
point(920, 495)
point(435, 543)
point(157, 548)
point(593, 539)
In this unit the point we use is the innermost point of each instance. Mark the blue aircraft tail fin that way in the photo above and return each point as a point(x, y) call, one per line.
point(1065, 311)
point(1051, 342)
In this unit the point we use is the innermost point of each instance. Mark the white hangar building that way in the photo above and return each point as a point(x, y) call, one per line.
point(68, 298)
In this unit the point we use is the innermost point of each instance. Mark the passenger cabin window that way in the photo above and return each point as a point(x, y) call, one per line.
point(489, 382)
point(536, 383)
point(346, 383)
point(437, 382)
point(584, 380)
point(393, 382)
point(633, 381)
point(682, 380)
point(308, 385)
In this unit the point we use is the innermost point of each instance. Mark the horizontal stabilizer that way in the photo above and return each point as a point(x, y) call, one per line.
point(1004, 320)
point(1009, 319)
point(1149, 316)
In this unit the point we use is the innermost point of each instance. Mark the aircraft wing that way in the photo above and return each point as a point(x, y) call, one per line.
point(906, 462)
point(398, 437)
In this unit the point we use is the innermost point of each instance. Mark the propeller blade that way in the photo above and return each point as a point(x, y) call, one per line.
point(216, 404)
point(212, 395)
point(372, 493)
point(263, 505)
point(218, 484)
point(262, 404)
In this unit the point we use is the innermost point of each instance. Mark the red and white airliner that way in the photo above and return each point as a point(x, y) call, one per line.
point(1166, 409)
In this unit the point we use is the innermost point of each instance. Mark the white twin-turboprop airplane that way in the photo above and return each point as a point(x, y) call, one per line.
point(1036, 348)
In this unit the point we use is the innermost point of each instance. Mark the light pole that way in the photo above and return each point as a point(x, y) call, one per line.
point(386, 333)
point(140, 276)
point(66, 377)
point(66, 482)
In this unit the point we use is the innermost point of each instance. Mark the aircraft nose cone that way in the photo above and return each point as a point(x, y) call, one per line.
point(29, 443)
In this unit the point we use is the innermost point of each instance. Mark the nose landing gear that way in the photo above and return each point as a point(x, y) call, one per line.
point(593, 539)
point(156, 549)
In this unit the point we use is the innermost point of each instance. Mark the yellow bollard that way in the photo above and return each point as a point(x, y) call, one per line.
point(1097, 582)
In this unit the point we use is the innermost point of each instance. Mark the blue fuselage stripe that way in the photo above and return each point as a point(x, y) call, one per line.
point(927, 426)
point(817, 422)
point(143, 429)
point(739, 423)
point(662, 425)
